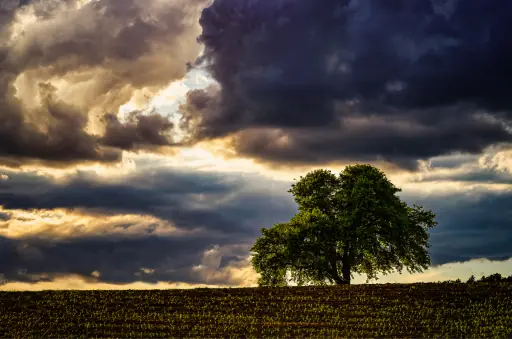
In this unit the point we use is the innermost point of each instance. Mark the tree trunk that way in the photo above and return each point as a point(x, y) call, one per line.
point(333, 269)
point(345, 274)
point(345, 271)
point(346, 260)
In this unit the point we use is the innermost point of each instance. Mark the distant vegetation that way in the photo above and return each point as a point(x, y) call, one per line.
point(349, 223)
point(478, 309)
point(493, 278)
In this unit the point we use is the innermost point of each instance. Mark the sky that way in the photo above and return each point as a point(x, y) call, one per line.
point(145, 143)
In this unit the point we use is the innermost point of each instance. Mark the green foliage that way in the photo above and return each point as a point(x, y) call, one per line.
point(350, 223)
point(425, 310)
point(495, 278)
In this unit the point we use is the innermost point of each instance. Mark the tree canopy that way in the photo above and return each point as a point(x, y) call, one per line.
point(349, 223)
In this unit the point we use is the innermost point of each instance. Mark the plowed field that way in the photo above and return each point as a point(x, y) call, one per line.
point(452, 310)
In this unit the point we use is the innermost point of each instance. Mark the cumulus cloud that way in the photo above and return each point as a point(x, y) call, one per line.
point(367, 80)
point(66, 67)
point(296, 85)
point(140, 131)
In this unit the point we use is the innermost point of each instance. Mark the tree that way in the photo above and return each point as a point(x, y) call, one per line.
point(350, 223)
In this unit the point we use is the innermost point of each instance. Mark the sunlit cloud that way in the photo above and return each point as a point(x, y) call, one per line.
point(58, 224)
point(123, 135)
point(75, 282)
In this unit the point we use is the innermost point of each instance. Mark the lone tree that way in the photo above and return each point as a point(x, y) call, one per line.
point(351, 223)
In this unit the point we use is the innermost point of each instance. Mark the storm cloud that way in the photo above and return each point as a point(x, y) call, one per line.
point(292, 83)
point(119, 260)
point(205, 224)
point(222, 203)
point(360, 79)
point(470, 226)
point(66, 67)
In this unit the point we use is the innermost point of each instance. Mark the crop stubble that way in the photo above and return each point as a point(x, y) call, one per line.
point(389, 310)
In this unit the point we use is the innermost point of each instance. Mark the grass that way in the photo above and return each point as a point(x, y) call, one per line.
point(451, 310)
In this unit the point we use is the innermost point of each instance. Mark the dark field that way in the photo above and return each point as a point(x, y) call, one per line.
point(413, 310)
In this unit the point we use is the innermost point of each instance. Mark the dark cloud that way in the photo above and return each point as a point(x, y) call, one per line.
point(61, 74)
point(483, 176)
point(225, 213)
point(476, 225)
point(5, 216)
point(117, 260)
point(221, 212)
point(360, 79)
point(63, 138)
point(140, 131)
point(227, 260)
point(452, 161)
point(219, 203)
